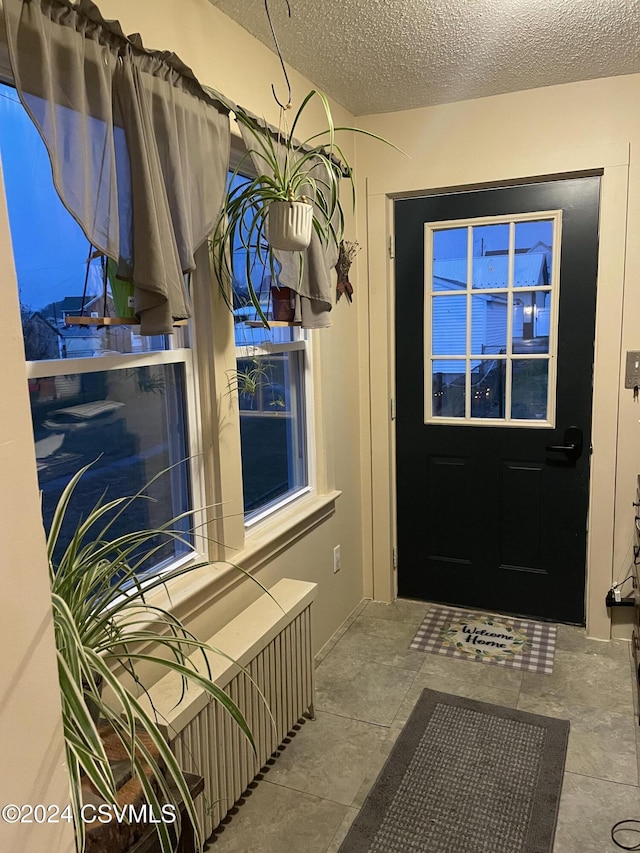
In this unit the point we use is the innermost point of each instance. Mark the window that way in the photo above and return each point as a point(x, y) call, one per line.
point(271, 394)
point(124, 404)
point(102, 396)
point(271, 367)
point(491, 300)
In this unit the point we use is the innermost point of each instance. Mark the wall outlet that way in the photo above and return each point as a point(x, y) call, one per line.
point(336, 559)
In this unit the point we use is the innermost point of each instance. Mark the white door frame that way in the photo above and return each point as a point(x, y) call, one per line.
point(379, 341)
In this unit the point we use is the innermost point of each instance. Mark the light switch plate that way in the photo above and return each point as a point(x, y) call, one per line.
point(632, 373)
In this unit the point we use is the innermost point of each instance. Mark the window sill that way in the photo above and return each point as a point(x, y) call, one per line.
point(280, 530)
point(261, 517)
point(190, 594)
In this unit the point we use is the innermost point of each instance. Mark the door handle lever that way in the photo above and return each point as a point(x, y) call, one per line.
point(572, 446)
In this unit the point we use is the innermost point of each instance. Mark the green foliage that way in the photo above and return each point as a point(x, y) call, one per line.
point(287, 171)
point(102, 618)
point(251, 376)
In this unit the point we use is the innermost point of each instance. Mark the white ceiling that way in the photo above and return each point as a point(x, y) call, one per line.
point(377, 56)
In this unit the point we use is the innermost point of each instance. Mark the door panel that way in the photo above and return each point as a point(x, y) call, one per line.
point(522, 488)
point(488, 516)
point(448, 478)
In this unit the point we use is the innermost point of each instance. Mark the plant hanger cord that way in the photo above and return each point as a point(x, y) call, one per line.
point(282, 106)
point(283, 134)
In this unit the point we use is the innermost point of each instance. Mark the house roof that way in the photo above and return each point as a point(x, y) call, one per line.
point(37, 317)
point(70, 303)
point(490, 271)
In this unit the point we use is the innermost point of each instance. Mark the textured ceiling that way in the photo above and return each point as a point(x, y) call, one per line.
point(385, 55)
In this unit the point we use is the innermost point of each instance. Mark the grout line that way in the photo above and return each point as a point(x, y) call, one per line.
point(306, 793)
point(339, 632)
point(600, 779)
point(332, 842)
point(357, 719)
point(341, 717)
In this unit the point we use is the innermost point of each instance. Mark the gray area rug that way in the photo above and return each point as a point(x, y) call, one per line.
point(465, 777)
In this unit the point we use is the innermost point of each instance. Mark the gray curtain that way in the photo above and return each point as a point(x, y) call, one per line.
point(319, 260)
point(139, 150)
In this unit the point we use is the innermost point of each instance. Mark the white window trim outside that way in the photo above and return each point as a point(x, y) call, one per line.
point(264, 514)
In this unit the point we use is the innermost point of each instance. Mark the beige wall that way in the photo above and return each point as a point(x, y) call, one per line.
point(551, 131)
point(225, 57)
point(31, 743)
point(569, 128)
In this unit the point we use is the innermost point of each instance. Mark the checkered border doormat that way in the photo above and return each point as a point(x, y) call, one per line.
point(537, 658)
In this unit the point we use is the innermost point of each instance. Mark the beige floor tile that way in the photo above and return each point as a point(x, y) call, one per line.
point(474, 672)
point(588, 809)
point(274, 819)
point(362, 689)
point(330, 757)
point(595, 680)
point(331, 643)
point(381, 640)
point(602, 743)
point(401, 610)
point(377, 764)
point(458, 687)
point(344, 827)
point(571, 639)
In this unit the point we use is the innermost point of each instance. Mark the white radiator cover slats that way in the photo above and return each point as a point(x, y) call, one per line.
point(273, 644)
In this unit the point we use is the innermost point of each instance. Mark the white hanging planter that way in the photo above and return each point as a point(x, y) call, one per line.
point(290, 225)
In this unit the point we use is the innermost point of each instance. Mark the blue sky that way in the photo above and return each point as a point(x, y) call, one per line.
point(49, 247)
point(452, 243)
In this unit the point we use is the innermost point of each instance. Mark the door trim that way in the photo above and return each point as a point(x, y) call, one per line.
point(612, 163)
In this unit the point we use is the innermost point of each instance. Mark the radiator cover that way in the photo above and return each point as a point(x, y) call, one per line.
point(272, 642)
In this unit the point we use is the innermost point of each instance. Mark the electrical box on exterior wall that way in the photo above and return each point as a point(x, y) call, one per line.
point(632, 373)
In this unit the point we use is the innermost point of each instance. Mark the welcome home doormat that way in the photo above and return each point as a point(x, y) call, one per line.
point(518, 643)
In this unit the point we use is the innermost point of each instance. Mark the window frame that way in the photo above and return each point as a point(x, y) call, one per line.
point(179, 350)
point(554, 216)
point(174, 355)
point(221, 539)
point(256, 520)
point(267, 510)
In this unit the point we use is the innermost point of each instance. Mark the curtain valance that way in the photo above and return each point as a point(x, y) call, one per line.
point(139, 149)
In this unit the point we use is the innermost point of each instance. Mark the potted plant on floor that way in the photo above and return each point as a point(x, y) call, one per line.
point(293, 193)
point(102, 619)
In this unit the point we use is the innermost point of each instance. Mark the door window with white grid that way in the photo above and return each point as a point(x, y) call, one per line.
point(491, 297)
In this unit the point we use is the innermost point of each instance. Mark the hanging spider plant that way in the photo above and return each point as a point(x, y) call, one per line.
point(288, 173)
point(101, 619)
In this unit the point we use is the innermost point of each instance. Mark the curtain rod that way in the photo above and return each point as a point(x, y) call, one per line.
point(271, 128)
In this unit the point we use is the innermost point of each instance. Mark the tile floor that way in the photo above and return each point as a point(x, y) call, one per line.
point(367, 681)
